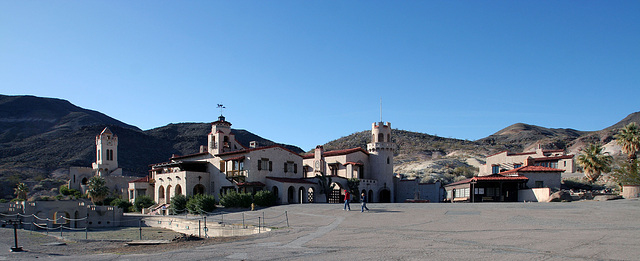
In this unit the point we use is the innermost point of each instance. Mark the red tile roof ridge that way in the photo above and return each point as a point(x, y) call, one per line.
point(336, 152)
point(254, 149)
point(532, 169)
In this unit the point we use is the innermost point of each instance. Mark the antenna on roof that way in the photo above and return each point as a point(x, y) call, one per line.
point(220, 106)
point(380, 109)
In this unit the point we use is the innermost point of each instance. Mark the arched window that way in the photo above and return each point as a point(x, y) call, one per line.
point(380, 137)
point(388, 137)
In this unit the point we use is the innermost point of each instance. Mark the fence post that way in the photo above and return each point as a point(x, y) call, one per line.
point(243, 220)
point(286, 216)
point(258, 224)
point(140, 227)
point(199, 228)
point(205, 227)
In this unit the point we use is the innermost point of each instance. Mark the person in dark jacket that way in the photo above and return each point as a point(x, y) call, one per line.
point(363, 200)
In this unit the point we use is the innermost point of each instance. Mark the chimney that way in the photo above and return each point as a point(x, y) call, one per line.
point(253, 144)
point(203, 148)
point(529, 161)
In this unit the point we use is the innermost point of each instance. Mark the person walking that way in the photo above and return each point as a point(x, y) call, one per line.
point(347, 197)
point(363, 201)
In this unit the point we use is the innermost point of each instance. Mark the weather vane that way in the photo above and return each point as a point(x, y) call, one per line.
point(220, 106)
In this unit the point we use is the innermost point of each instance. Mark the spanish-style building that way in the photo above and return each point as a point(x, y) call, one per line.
point(505, 160)
point(105, 166)
point(226, 165)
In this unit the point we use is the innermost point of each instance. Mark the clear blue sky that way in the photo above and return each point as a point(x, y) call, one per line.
point(308, 72)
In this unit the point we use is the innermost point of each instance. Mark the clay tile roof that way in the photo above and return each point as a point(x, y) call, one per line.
point(493, 177)
point(290, 180)
point(242, 151)
point(144, 179)
point(337, 152)
point(532, 169)
point(554, 158)
point(353, 163)
point(236, 158)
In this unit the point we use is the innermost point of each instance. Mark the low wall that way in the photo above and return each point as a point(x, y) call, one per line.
point(534, 195)
point(631, 191)
point(196, 227)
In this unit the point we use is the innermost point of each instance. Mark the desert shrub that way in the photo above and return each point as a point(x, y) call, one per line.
point(125, 205)
point(178, 204)
point(2, 200)
point(200, 204)
point(236, 200)
point(142, 202)
point(264, 198)
point(59, 197)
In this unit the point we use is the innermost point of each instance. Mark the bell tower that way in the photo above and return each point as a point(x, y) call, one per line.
point(381, 151)
point(220, 139)
point(106, 152)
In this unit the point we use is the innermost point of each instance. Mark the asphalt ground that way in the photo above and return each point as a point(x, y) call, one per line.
point(583, 230)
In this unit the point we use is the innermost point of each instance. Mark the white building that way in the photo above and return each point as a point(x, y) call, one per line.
point(504, 161)
point(226, 165)
point(105, 166)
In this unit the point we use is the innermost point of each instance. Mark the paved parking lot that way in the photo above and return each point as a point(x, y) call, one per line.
point(586, 230)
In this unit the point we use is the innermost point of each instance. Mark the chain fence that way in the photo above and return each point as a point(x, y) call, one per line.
point(154, 227)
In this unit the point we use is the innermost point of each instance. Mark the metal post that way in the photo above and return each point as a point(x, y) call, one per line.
point(199, 228)
point(242, 220)
point(15, 235)
point(205, 226)
point(259, 224)
point(286, 216)
point(140, 227)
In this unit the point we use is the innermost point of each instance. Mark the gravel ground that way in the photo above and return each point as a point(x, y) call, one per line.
point(41, 245)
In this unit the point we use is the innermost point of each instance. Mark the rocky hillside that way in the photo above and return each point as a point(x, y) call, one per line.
point(431, 157)
point(40, 138)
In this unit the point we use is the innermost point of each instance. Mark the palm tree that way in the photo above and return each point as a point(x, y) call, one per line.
point(629, 138)
point(326, 185)
point(98, 189)
point(21, 191)
point(594, 161)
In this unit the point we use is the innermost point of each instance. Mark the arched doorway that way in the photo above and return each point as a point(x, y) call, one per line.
point(310, 195)
point(198, 189)
point(178, 190)
point(385, 196)
point(168, 197)
point(276, 193)
point(301, 195)
point(291, 195)
point(161, 195)
point(337, 194)
point(370, 196)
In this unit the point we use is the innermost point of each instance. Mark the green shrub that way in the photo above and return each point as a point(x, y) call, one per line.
point(200, 204)
point(236, 200)
point(264, 198)
point(59, 197)
point(125, 205)
point(142, 202)
point(178, 204)
point(2, 200)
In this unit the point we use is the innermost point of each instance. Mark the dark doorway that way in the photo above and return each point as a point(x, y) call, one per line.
point(385, 196)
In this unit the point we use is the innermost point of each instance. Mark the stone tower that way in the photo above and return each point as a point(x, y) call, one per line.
point(106, 153)
point(220, 139)
point(381, 151)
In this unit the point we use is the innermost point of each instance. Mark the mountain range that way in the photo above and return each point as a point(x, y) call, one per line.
point(40, 138)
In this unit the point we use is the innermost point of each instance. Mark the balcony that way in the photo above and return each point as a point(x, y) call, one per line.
point(237, 175)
